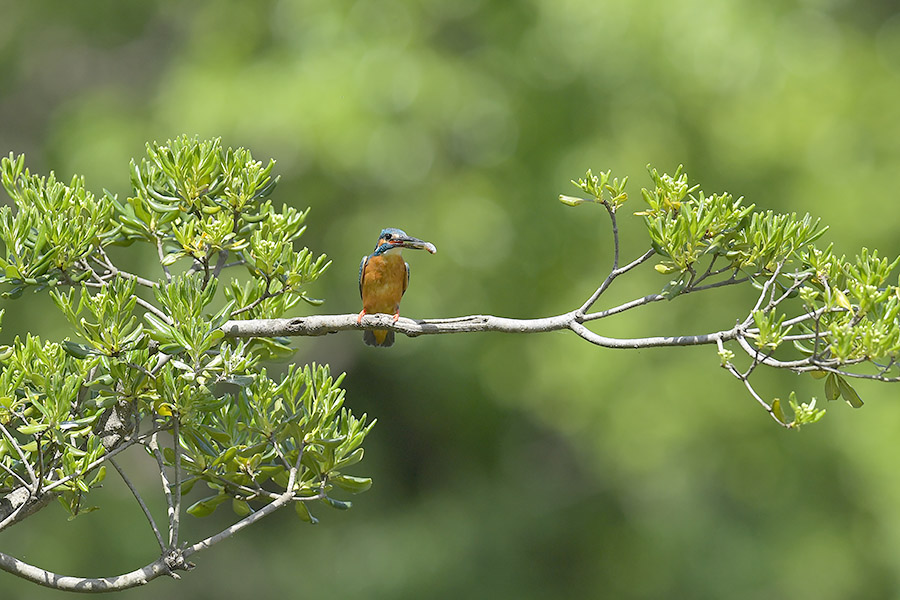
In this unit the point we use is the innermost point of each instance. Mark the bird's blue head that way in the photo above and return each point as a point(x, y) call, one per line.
point(392, 238)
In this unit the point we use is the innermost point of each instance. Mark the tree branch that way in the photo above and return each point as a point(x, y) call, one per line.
point(324, 324)
point(84, 584)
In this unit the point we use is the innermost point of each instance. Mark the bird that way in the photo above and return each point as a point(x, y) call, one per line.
point(383, 278)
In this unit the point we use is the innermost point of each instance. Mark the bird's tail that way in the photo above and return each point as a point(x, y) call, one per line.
point(379, 337)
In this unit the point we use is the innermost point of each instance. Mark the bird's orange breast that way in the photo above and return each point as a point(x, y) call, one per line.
point(384, 282)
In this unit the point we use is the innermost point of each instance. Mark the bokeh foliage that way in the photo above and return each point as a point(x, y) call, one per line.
point(539, 468)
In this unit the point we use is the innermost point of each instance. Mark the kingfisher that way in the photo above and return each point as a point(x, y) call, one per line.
point(383, 278)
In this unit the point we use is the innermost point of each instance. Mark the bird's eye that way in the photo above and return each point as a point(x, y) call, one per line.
point(387, 237)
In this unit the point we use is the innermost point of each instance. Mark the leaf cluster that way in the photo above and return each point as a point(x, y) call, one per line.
point(147, 355)
point(47, 425)
point(845, 312)
point(52, 230)
point(603, 189)
point(697, 234)
point(244, 445)
point(814, 312)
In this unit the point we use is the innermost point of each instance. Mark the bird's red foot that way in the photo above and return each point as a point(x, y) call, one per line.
point(359, 318)
point(396, 316)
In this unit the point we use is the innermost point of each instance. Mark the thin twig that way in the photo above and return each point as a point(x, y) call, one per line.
point(766, 290)
point(156, 311)
point(87, 469)
point(612, 275)
point(14, 475)
point(114, 270)
point(12, 516)
point(265, 295)
point(176, 490)
point(615, 231)
point(141, 503)
point(763, 403)
point(162, 256)
point(35, 482)
point(278, 451)
point(717, 284)
point(252, 493)
point(650, 298)
point(153, 445)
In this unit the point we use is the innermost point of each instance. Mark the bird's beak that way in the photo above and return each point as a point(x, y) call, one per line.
point(414, 243)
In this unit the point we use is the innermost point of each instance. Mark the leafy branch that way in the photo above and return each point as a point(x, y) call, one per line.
point(148, 365)
point(813, 312)
point(172, 365)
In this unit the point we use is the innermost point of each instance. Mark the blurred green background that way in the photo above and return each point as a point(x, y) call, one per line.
point(506, 466)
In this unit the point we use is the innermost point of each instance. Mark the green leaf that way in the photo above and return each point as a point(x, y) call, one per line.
point(99, 477)
point(571, 200)
point(849, 393)
point(240, 380)
point(206, 506)
point(676, 286)
point(354, 485)
point(776, 409)
point(240, 507)
point(76, 350)
point(171, 349)
point(225, 457)
point(32, 429)
point(170, 259)
point(832, 391)
point(159, 327)
point(188, 485)
point(338, 504)
point(351, 459)
point(841, 299)
point(303, 513)
point(665, 267)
